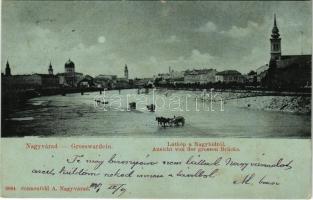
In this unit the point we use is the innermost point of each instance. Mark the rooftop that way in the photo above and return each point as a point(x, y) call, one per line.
point(199, 71)
point(305, 56)
point(228, 73)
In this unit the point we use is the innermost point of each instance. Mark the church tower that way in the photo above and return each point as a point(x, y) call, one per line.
point(7, 69)
point(275, 42)
point(70, 77)
point(50, 69)
point(126, 71)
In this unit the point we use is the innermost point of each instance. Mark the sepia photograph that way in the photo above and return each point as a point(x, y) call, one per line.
point(185, 69)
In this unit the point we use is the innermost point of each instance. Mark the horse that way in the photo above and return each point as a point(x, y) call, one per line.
point(178, 120)
point(163, 121)
point(158, 119)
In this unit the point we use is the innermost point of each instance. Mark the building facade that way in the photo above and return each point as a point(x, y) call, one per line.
point(86, 82)
point(70, 78)
point(106, 81)
point(261, 72)
point(31, 81)
point(229, 76)
point(163, 76)
point(201, 76)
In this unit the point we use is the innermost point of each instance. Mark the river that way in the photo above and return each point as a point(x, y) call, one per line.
point(76, 115)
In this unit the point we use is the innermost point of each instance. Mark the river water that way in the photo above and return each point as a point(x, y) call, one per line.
point(81, 115)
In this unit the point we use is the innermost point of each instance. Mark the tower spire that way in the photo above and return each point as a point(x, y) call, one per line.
point(275, 20)
point(275, 30)
point(50, 69)
point(275, 42)
point(126, 71)
point(7, 69)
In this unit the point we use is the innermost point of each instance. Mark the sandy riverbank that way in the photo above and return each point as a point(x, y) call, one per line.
point(293, 104)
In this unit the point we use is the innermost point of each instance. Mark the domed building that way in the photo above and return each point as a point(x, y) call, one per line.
point(70, 77)
point(69, 67)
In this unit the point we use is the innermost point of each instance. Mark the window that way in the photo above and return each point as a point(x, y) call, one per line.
point(275, 47)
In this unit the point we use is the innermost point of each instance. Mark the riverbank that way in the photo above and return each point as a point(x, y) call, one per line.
point(290, 104)
point(286, 102)
point(261, 100)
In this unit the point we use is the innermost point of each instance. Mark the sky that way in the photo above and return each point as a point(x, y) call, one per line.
point(101, 37)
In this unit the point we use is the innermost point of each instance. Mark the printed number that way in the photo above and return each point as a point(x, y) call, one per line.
point(10, 188)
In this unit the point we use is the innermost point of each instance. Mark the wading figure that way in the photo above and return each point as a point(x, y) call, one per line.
point(151, 107)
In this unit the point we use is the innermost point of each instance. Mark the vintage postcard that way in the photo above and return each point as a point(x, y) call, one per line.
point(156, 99)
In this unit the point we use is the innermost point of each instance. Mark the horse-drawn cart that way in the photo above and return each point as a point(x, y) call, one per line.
point(176, 121)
